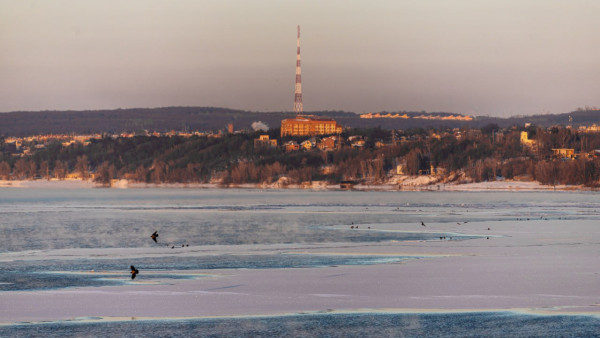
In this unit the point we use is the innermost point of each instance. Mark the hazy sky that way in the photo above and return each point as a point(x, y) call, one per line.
point(481, 57)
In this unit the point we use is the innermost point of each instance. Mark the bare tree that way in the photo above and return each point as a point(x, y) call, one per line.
point(22, 168)
point(159, 171)
point(60, 170)
point(33, 169)
point(4, 170)
point(413, 161)
point(103, 174)
point(141, 174)
point(239, 173)
point(45, 170)
point(82, 167)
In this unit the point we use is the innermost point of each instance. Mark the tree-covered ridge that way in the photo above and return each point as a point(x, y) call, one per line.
point(207, 119)
point(484, 154)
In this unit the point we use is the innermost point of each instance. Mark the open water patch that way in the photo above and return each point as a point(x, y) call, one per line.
point(476, 324)
point(55, 274)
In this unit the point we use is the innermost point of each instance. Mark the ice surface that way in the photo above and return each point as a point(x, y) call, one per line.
point(254, 253)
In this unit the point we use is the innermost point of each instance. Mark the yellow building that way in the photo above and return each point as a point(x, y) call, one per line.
point(263, 140)
point(564, 152)
point(526, 141)
point(309, 126)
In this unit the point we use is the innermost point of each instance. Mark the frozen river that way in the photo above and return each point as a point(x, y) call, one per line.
point(303, 263)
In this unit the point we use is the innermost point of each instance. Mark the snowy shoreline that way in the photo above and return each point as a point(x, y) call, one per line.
point(408, 184)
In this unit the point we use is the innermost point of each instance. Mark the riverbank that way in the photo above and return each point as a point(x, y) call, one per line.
point(418, 183)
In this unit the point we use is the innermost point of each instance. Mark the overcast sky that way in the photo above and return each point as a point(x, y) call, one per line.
point(480, 57)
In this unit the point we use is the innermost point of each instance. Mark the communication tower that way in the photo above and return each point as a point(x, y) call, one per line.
point(298, 92)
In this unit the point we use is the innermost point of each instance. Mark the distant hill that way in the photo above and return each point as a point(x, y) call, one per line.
point(131, 120)
point(206, 119)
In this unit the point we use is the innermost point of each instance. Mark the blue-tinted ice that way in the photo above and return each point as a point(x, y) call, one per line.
point(39, 222)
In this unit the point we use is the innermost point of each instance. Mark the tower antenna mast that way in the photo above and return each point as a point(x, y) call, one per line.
point(298, 91)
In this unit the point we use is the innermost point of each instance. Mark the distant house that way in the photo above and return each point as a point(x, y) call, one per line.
point(563, 152)
point(328, 143)
point(291, 146)
point(358, 144)
point(590, 129)
point(356, 141)
point(435, 136)
point(526, 141)
point(264, 140)
point(309, 144)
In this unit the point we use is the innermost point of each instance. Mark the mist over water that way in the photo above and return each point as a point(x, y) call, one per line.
point(43, 219)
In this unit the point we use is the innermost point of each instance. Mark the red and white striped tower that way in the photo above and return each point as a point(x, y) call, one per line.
point(298, 91)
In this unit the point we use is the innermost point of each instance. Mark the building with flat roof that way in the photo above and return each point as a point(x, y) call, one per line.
point(264, 140)
point(563, 152)
point(309, 126)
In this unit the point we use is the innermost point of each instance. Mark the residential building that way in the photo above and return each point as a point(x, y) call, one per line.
point(309, 144)
point(264, 140)
point(328, 143)
point(292, 146)
point(356, 141)
point(590, 129)
point(563, 152)
point(526, 141)
point(309, 126)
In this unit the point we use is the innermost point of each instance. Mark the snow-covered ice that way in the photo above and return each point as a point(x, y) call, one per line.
point(528, 252)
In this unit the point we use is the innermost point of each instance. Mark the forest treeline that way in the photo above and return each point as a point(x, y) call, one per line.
point(212, 119)
point(484, 154)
